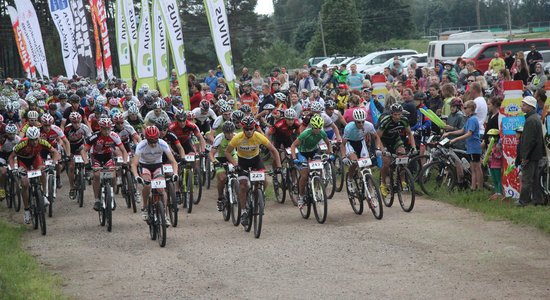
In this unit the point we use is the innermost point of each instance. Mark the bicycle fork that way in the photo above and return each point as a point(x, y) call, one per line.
point(54, 192)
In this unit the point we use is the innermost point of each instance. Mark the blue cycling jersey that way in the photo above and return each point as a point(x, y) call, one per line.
point(353, 133)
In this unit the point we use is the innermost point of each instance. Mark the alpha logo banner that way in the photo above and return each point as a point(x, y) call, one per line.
point(145, 69)
point(160, 50)
point(123, 45)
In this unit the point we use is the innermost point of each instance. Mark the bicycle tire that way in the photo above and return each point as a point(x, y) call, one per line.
point(151, 221)
point(51, 187)
point(235, 205)
point(108, 208)
point(33, 208)
point(201, 171)
point(249, 209)
point(404, 191)
point(41, 211)
point(18, 198)
point(356, 198)
point(375, 200)
point(101, 211)
point(388, 200)
point(208, 171)
point(131, 190)
point(437, 177)
point(10, 196)
point(340, 173)
point(292, 187)
point(172, 204)
point(189, 191)
point(278, 188)
point(415, 165)
point(258, 213)
point(198, 192)
point(330, 179)
point(80, 185)
point(320, 204)
point(226, 211)
point(161, 223)
point(124, 188)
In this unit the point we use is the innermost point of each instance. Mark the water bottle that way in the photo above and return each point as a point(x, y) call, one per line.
point(379, 158)
point(465, 163)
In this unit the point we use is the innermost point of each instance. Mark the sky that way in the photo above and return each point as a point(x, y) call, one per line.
point(264, 7)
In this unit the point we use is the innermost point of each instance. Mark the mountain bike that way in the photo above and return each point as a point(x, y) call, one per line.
point(231, 205)
point(329, 173)
point(79, 179)
point(171, 200)
point(105, 213)
point(36, 199)
point(127, 184)
point(315, 195)
point(401, 182)
point(364, 188)
point(51, 185)
point(187, 186)
point(156, 211)
point(13, 190)
point(255, 200)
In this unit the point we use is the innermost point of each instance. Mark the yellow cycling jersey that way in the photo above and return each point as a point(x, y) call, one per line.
point(248, 147)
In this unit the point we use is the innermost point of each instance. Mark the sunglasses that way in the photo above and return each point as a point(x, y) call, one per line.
point(471, 80)
point(152, 141)
point(249, 129)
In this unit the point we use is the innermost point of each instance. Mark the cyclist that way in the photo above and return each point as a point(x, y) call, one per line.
point(75, 106)
point(247, 144)
point(329, 126)
point(148, 157)
point(335, 115)
point(103, 144)
point(390, 132)
point(183, 129)
point(157, 113)
point(133, 117)
point(8, 142)
point(285, 131)
point(203, 116)
point(11, 114)
point(53, 134)
point(76, 133)
point(28, 156)
point(308, 146)
point(357, 136)
point(32, 121)
point(217, 126)
point(217, 156)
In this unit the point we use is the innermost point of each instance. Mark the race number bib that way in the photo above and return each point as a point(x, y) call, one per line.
point(402, 160)
point(315, 165)
point(364, 162)
point(189, 157)
point(257, 175)
point(34, 173)
point(167, 169)
point(78, 159)
point(158, 183)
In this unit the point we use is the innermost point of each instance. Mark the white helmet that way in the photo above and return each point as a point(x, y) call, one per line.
point(33, 133)
point(290, 114)
point(101, 100)
point(33, 114)
point(359, 115)
point(317, 107)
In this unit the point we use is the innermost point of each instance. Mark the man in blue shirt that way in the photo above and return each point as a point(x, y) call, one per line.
point(355, 80)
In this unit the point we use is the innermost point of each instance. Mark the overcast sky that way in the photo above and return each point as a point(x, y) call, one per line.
point(264, 7)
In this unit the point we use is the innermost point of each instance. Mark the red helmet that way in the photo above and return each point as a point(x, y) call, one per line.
point(152, 132)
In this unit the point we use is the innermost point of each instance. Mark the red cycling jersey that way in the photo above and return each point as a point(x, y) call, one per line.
point(184, 133)
point(52, 135)
point(282, 131)
point(101, 144)
point(93, 120)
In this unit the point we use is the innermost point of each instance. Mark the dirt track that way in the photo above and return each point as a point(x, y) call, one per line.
point(437, 251)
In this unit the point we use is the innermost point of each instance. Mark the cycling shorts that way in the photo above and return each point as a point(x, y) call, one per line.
point(282, 143)
point(222, 160)
point(303, 157)
point(188, 146)
point(153, 170)
point(32, 163)
point(103, 160)
point(254, 163)
point(392, 146)
point(474, 157)
point(358, 147)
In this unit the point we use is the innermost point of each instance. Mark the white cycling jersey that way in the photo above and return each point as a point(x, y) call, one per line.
point(149, 155)
point(200, 117)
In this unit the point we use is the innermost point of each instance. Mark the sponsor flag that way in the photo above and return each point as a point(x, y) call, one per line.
point(171, 16)
point(85, 65)
point(374, 113)
point(101, 19)
point(123, 44)
point(62, 17)
point(219, 27)
point(379, 90)
point(98, 59)
point(132, 28)
point(160, 50)
point(145, 70)
point(20, 41)
point(32, 35)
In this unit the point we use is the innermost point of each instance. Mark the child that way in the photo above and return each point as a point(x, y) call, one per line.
point(470, 133)
point(495, 163)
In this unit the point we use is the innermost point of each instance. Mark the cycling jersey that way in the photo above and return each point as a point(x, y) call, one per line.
point(52, 135)
point(172, 141)
point(149, 155)
point(248, 147)
point(309, 141)
point(335, 116)
point(184, 133)
point(8, 145)
point(125, 133)
point(68, 112)
point(77, 136)
point(152, 117)
point(24, 150)
point(26, 126)
point(391, 131)
point(137, 123)
point(203, 117)
point(217, 125)
point(101, 144)
point(353, 133)
point(281, 130)
point(14, 118)
point(220, 144)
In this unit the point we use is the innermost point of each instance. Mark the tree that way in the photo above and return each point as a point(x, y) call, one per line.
point(384, 20)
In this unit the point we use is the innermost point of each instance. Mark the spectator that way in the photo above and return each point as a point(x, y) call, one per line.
point(434, 99)
point(307, 82)
point(542, 109)
point(211, 80)
point(520, 71)
point(448, 92)
point(219, 72)
point(341, 74)
point(492, 120)
point(496, 64)
point(532, 151)
point(495, 165)
point(266, 97)
point(456, 121)
point(295, 103)
point(283, 78)
point(480, 107)
point(471, 67)
point(450, 71)
point(355, 79)
point(508, 60)
point(389, 77)
point(409, 105)
point(245, 76)
point(197, 95)
point(537, 80)
point(257, 81)
point(533, 58)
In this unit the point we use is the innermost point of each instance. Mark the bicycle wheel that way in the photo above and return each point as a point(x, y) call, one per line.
point(172, 204)
point(279, 187)
point(208, 171)
point(259, 205)
point(249, 209)
point(320, 205)
point(41, 211)
point(131, 191)
point(202, 170)
point(101, 211)
point(437, 177)
point(234, 202)
point(151, 221)
point(388, 200)
point(292, 184)
point(416, 163)
point(340, 173)
point(17, 194)
point(124, 188)
point(188, 201)
point(356, 197)
point(405, 189)
point(198, 191)
point(10, 197)
point(51, 189)
point(373, 196)
point(161, 223)
point(330, 179)
point(226, 212)
point(109, 208)
point(33, 208)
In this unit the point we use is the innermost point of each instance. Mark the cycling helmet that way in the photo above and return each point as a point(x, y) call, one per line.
point(205, 105)
point(133, 110)
point(21, 87)
point(128, 92)
point(221, 103)
point(280, 96)
point(16, 105)
point(74, 99)
point(47, 119)
point(493, 132)
point(33, 133)
point(290, 114)
point(161, 103)
point(55, 91)
point(41, 103)
point(145, 88)
point(269, 107)
point(62, 89)
point(246, 109)
point(228, 127)
point(114, 111)
point(33, 114)
point(396, 108)
point(11, 129)
point(75, 117)
point(32, 99)
point(190, 115)
point(149, 100)
point(248, 122)
point(225, 108)
point(316, 107)
point(52, 106)
point(237, 116)
point(154, 93)
point(181, 115)
point(152, 132)
point(118, 118)
point(359, 115)
point(306, 105)
point(10, 108)
point(317, 122)
point(105, 123)
point(222, 97)
point(81, 92)
point(162, 123)
point(330, 104)
point(114, 102)
point(62, 96)
point(98, 109)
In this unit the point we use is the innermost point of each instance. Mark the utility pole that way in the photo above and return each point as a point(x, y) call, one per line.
point(322, 35)
point(509, 21)
point(478, 14)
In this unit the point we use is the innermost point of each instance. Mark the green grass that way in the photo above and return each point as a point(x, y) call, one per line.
point(20, 275)
point(536, 216)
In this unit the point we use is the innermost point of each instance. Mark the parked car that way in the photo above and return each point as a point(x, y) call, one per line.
point(315, 60)
point(379, 57)
point(421, 60)
point(439, 51)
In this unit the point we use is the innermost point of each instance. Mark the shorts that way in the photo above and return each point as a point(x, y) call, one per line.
point(282, 143)
point(75, 148)
point(358, 147)
point(474, 157)
point(330, 132)
point(303, 157)
point(254, 163)
point(188, 146)
point(4, 156)
point(102, 160)
point(203, 127)
point(392, 146)
point(222, 160)
point(32, 163)
point(155, 170)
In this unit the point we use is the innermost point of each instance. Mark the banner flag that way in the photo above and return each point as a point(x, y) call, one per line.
point(33, 35)
point(101, 19)
point(62, 17)
point(145, 71)
point(160, 51)
point(219, 27)
point(122, 43)
point(21, 45)
point(132, 29)
point(85, 66)
point(98, 59)
point(379, 90)
point(171, 16)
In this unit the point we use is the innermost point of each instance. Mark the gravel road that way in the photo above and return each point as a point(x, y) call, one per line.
point(438, 251)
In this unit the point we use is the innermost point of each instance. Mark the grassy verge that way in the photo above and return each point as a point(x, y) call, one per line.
point(536, 216)
point(20, 275)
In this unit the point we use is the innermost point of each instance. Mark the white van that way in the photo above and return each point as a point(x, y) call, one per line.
point(452, 49)
point(379, 57)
